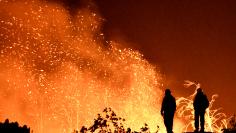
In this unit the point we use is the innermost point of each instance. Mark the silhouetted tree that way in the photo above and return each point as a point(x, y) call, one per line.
point(109, 122)
point(13, 127)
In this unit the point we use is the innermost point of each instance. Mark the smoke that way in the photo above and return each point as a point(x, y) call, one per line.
point(56, 72)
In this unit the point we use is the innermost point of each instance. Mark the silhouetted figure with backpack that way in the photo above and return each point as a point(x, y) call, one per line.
point(200, 105)
point(168, 110)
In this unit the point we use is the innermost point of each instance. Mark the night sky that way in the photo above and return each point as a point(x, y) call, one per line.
point(186, 39)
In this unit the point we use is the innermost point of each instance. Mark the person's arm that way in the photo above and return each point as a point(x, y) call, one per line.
point(174, 104)
point(162, 107)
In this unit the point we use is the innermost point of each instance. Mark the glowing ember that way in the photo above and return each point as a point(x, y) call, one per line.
point(215, 121)
point(56, 74)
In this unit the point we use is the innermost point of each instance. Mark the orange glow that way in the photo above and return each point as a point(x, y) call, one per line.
point(215, 120)
point(56, 75)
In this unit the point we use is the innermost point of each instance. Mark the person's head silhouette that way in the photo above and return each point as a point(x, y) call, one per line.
point(167, 92)
point(199, 90)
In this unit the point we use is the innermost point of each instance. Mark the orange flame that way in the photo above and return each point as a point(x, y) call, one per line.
point(56, 74)
point(215, 120)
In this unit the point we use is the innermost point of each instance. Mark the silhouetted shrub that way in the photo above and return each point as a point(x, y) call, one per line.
point(13, 127)
point(109, 122)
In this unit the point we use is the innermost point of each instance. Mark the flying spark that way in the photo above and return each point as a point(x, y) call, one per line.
point(215, 120)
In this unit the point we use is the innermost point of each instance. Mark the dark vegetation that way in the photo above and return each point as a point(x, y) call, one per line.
point(109, 122)
point(106, 122)
point(13, 127)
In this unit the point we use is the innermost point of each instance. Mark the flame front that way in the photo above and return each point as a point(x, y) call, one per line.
point(57, 74)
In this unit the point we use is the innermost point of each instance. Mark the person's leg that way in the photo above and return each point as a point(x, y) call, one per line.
point(171, 122)
point(168, 123)
point(196, 118)
point(202, 120)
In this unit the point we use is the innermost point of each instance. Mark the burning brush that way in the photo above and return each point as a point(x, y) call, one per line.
point(214, 119)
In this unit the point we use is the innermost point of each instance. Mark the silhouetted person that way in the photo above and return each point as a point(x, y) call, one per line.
point(168, 110)
point(200, 105)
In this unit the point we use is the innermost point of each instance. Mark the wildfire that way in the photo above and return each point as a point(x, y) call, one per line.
point(215, 120)
point(56, 73)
